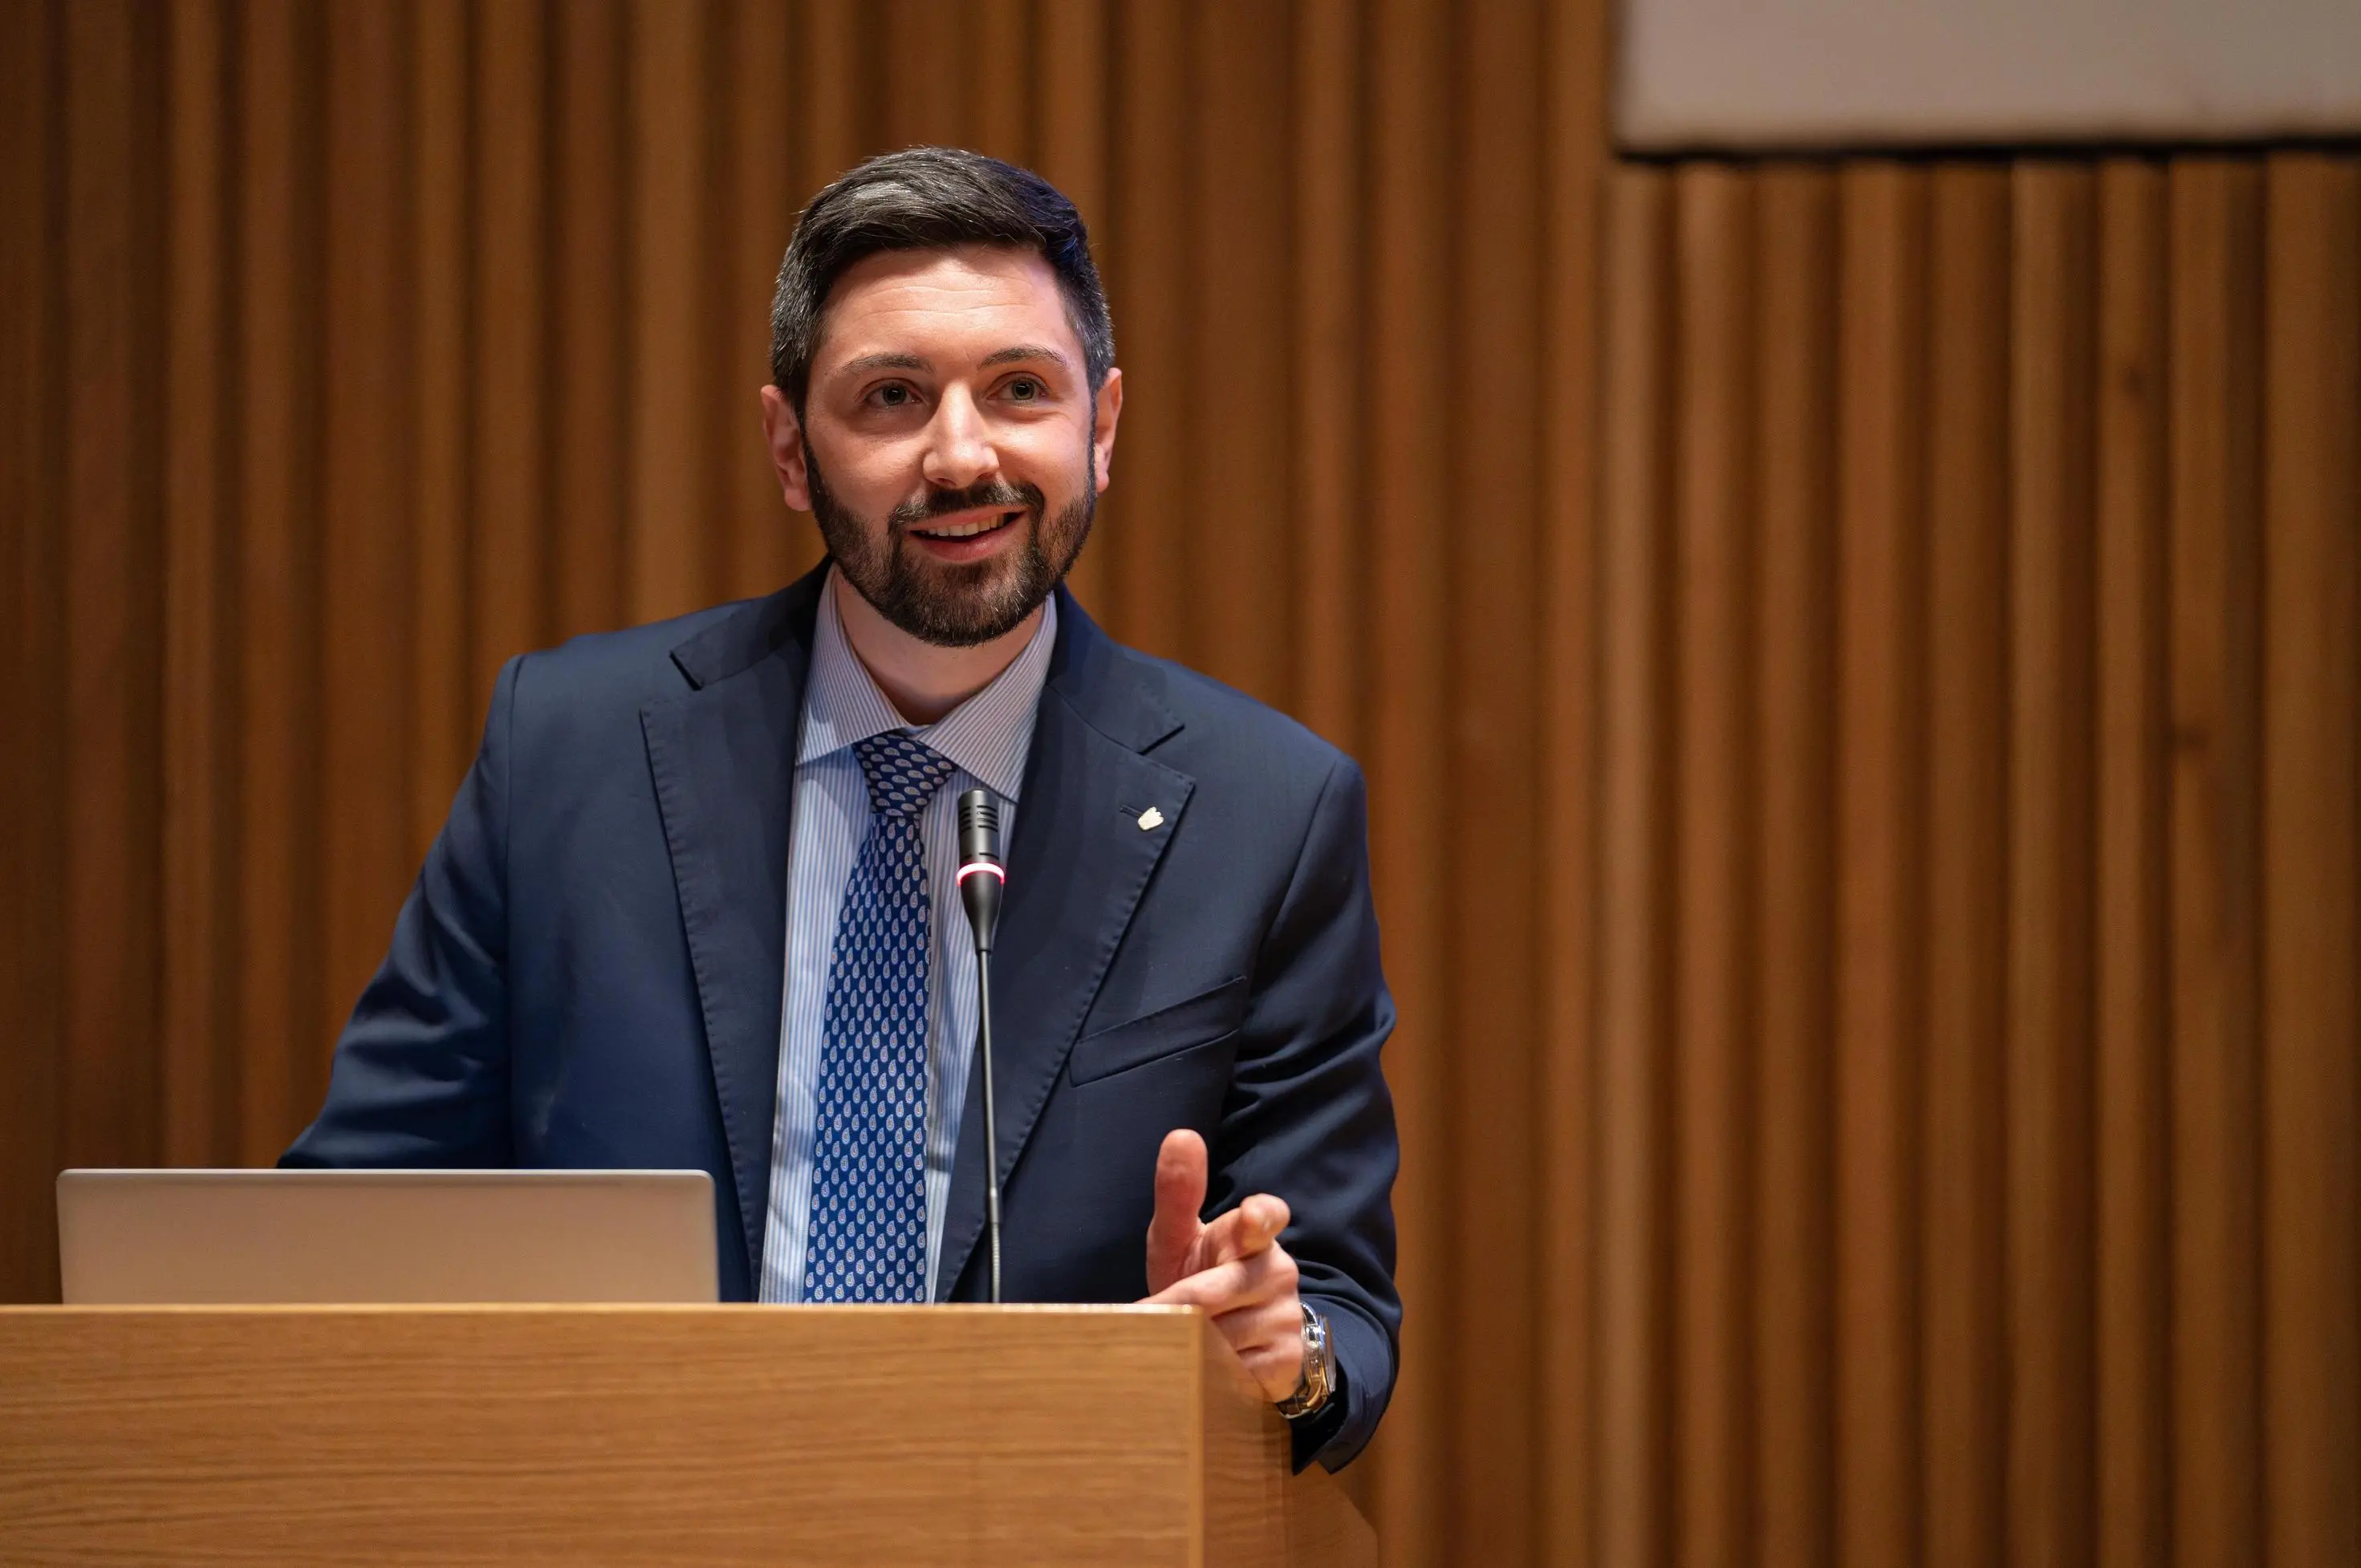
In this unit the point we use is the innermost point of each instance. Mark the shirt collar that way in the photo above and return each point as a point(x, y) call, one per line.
point(988, 735)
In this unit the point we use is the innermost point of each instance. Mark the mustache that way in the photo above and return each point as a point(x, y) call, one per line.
point(985, 493)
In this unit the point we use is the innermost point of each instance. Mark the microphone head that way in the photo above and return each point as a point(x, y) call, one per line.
point(979, 828)
point(981, 873)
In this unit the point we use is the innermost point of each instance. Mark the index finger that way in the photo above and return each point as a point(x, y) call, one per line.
point(1249, 1229)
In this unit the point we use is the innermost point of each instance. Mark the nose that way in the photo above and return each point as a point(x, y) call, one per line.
point(959, 444)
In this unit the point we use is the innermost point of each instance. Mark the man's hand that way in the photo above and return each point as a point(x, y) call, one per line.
point(1235, 1268)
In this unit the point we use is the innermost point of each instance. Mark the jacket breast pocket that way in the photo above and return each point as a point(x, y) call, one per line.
point(1208, 1016)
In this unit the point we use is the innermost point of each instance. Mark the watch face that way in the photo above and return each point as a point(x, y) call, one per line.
point(1318, 1381)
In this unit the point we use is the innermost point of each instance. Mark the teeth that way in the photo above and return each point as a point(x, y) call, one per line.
point(965, 530)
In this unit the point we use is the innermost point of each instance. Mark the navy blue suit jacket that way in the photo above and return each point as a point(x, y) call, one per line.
point(588, 971)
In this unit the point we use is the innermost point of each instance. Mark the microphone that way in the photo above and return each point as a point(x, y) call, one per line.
point(981, 878)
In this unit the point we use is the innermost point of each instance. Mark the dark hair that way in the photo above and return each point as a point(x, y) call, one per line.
point(928, 198)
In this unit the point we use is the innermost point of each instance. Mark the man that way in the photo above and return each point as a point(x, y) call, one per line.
point(694, 906)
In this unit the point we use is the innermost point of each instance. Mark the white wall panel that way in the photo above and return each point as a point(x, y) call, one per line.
point(1805, 73)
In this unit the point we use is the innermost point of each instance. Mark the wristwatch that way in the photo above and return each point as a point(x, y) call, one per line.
point(1319, 1379)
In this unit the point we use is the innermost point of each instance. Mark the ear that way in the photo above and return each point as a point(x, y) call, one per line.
point(1103, 433)
point(784, 433)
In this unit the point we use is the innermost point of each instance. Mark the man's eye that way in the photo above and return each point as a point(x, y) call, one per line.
point(893, 397)
point(1025, 389)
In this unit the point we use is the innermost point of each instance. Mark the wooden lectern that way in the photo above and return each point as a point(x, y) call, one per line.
point(704, 1435)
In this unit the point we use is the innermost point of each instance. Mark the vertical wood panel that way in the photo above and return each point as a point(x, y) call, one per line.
point(1149, 253)
point(365, 610)
point(1795, 305)
point(2134, 1277)
point(444, 696)
point(2312, 862)
point(1713, 979)
point(1409, 301)
point(1070, 146)
point(1495, 688)
point(1966, 847)
point(111, 593)
point(1573, 112)
point(511, 240)
point(1001, 62)
point(32, 114)
point(590, 375)
point(199, 787)
point(763, 538)
point(1635, 1489)
point(1327, 304)
point(836, 89)
point(1882, 311)
point(666, 560)
point(2216, 266)
point(1239, 483)
point(278, 598)
point(926, 54)
point(2050, 1000)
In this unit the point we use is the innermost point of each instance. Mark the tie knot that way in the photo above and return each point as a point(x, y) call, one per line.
point(903, 771)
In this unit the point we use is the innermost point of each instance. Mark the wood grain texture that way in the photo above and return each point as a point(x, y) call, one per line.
point(32, 426)
point(1634, 1483)
point(2074, 1207)
point(110, 589)
point(2049, 860)
point(200, 789)
point(2312, 865)
point(476, 1435)
point(1853, 661)
point(1967, 849)
point(1794, 671)
point(278, 452)
point(2216, 350)
point(1491, 730)
point(1407, 520)
point(590, 352)
point(445, 701)
point(1882, 319)
point(1573, 110)
point(1713, 984)
point(364, 587)
point(2133, 1255)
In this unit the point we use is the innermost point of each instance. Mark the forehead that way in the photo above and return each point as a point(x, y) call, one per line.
point(944, 306)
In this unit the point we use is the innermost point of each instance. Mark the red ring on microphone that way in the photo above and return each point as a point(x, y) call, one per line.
point(972, 867)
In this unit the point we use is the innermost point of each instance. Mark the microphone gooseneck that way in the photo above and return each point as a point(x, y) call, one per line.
point(981, 878)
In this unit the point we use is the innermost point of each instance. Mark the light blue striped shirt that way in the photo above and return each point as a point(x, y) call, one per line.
point(987, 737)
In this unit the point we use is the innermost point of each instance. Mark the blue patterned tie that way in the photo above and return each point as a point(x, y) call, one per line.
point(868, 1238)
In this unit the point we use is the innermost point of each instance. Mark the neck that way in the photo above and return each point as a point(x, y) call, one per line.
point(923, 682)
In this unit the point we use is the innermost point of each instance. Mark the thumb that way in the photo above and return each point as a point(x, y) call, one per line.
point(1180, 1197)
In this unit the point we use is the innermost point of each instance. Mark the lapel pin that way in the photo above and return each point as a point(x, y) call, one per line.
point(1150, 818)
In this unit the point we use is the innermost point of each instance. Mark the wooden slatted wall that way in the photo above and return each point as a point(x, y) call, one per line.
point(1978, 1061)
point(1857, 669)
point(351, 348)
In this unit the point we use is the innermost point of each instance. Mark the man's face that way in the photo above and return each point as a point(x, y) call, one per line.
point(950, 445)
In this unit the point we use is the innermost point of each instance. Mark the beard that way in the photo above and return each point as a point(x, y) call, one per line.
point(956, 606)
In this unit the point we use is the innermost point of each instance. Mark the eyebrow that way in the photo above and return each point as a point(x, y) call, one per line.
point(1023, 351)
point(1013, 354)
point(868, 362)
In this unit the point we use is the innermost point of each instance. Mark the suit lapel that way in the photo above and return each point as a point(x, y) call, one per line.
point(1076, 870)
point(723, 760)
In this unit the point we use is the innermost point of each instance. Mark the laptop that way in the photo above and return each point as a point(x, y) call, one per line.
point(191, 1237)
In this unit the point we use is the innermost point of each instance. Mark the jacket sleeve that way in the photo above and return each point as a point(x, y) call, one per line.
point(1309, 1117)
point(421, 1074)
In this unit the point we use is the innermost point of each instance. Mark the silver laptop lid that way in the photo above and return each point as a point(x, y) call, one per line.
point(186, 1238)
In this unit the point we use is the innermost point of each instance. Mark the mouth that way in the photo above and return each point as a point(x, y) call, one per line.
point(972, 525)
point(967, 536)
